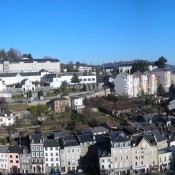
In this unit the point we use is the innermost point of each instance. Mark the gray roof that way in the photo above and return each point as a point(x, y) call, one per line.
point(158, 136)
point(61, 134)
point(164, 151)
point(86, 138)
point(13, 149)
point(98, 129)
point(36, 138)
point(4, 149)
point(51, 143)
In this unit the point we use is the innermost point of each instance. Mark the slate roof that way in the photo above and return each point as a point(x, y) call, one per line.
point(118, 138)
point(148, 137)
point(69, 140)
point(147, 117)
point(4, 149)
point(158, 136)
point(36, 138)
point(61, 134)
point(51, 143)
point(86, 138)
point(29, 73)
point(13, 149)
point(8, 74)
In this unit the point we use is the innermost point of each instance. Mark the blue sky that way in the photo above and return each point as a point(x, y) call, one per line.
point(90, 31)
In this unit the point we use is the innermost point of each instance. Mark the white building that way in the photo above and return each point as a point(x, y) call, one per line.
point(125, 68)
point(4, 158)
point(2, 85)
point(124, 84)
point(164, 77)
point(15, 78)
point(84, 69)
point(8, 118)
point(30, 65)
point(27, 85)
point(55, 80)
point(77, 103)
point(51, 154)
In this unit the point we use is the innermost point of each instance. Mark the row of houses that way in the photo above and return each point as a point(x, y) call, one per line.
point(137, 84)
point(104, 149)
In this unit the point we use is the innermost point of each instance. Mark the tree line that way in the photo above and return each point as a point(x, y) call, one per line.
point(14, 54)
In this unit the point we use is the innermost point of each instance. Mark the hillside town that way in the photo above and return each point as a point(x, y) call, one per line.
point(84, 119)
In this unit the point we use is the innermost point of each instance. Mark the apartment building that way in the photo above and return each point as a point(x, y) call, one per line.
point(77, 103)
point(164, 77)
point(124, 84)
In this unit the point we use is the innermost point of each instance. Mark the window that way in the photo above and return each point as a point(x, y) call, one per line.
point(10, 156)
point(41, 148)
point(103, 160)
point(135, 163)
point(109, 160)
point(73, 150)
point(136, 157)
point(102, 166)
point(115, 158)
point(141, 162)
point(84, 79)
point(33, 154)
point(37, 154)
point(126, 157)
point(46, 148)
point(51, 154)
point(51, 159)
point(46, 154)
point(93, 79)
point(37, 148)
point(56, 148)
point(51, 148)
point(16, 156)
point(56, 154)
point(41, 154)
point(17, 161)
point(11, 161)
point(121, 157)
point(46, 159)
point(89, 79)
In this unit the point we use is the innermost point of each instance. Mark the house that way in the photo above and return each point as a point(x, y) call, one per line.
point(27, 85)
point(8, 118)
point(13, 159)
point(70, 153)
point(60, 104)
point(37, 153)
point(165, 158)
point(25, 159)
point(77, 103)
point(88, 156)
point(51, 155)
point(4, 164)
point(120, 153)
point(100, 130)
point(144, 153)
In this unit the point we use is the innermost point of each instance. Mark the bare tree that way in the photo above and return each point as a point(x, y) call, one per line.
point(13, 54)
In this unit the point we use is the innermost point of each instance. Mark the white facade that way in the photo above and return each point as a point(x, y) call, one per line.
point(35, 65)
point(51, 155)
point(77, 103)
point(136, 88)
point(2, 85)
point(84, 69)
point(7, 119)
point(56, 81)
point(125, 68)
point(70, 157)
point(4, 159)
point(124, 84)
point(27, 86)
point(15, 78)
point(164, 77)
